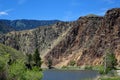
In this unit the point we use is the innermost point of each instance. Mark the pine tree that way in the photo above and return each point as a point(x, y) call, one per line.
point(37, 58)
point(110, 61)
point(29, 58)
point(28, 63)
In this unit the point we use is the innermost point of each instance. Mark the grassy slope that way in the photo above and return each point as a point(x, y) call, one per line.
point(5, 50)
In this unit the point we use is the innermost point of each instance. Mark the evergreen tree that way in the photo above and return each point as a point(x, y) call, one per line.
point(28, 64)
point(109, 61)
point(37, 58)
point(30, 58)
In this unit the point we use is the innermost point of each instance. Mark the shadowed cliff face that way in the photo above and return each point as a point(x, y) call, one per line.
point(84, 41)
point(88, 40)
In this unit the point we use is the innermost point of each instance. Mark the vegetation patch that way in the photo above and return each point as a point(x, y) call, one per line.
point(13, 66)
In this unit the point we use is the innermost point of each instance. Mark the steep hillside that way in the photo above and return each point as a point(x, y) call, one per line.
point(78, 39)
point(89, 39)
point(17, 25)
point(7, 56)
point(10, 53)
point(42, 38)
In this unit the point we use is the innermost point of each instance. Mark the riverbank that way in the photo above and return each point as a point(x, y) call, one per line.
point(109, 78)
point(112, 75)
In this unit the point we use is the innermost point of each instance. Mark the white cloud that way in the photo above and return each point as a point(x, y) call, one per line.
point(5, 12)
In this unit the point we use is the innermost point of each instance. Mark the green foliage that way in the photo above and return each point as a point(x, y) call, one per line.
point(110, 78)
point(29, 59)
point(33, 74)
point(37, 58)
point(12, 66)
point(64, 67)
point(109, 62)
point(18, 71)
point(99, 68)
point(2, 63)
point(3, 67)
point(72, 63)
point(88, 67)
point(5, 50)
point(5, 54)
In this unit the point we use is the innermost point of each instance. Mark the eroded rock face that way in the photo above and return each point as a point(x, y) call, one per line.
point(80, 37)
point(88, 40)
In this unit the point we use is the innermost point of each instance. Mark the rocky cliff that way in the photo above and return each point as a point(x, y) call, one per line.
point(84, 41)
point(89, 39)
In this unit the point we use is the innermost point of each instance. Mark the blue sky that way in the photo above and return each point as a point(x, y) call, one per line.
point(65, 10)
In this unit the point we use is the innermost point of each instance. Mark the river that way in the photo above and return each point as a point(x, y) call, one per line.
point(69, 75)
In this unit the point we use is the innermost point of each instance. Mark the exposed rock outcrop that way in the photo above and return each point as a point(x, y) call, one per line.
point(88, 40)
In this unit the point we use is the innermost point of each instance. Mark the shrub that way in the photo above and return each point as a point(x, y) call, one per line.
point(64, 67)
point(33, 74)
point(109, 61)
point(17, 71)
point(72, 63)
point(3, 66)
point(110, 78)
point(88, 67)
point(99, 68)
